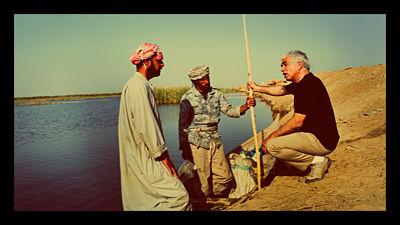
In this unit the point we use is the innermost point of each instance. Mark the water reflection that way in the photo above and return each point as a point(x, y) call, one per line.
point(66, 155)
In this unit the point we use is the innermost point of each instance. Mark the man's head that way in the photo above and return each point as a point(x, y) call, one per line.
point(295, 65)
point(148, 59)
point(200, 77)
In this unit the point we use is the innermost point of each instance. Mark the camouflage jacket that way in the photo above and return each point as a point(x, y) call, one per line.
point(199, 118)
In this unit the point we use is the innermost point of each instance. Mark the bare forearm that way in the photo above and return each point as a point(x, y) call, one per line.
point(243, 109)
point(276, 90)
point(250, 102)
point(289, 127)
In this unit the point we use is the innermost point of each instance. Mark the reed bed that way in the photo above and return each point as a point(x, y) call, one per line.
point(229, 90)
point(172, 95)
point(169, 95)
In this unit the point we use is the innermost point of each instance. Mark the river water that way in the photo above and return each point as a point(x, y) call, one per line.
point(66, 155)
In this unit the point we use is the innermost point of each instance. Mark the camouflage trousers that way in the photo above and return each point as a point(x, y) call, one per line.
point(214, 171)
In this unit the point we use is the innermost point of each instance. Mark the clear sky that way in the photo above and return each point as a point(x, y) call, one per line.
point(59, 54)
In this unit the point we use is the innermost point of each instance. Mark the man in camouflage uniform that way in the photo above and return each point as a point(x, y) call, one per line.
point(199, 138)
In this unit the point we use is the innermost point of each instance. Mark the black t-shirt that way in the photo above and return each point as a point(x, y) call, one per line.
point(312, 99)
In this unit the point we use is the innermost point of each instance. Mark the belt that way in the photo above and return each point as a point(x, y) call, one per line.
point(213, 127)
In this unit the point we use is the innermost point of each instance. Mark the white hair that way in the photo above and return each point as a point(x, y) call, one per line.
point(299, 56)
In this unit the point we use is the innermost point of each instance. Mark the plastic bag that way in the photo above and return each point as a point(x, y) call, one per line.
point(244, 176)
point(189, 177)
point(186, 170)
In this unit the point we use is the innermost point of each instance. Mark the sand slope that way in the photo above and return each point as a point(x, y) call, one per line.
point(357, 177)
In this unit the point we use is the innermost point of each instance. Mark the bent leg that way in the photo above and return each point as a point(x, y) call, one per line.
point(297, 149)
point(202, 160)
point(221, 172)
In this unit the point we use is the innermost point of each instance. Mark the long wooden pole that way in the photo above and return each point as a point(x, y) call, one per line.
point(253, 119)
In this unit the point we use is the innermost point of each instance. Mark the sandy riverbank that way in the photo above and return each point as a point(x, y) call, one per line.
point(356, 180)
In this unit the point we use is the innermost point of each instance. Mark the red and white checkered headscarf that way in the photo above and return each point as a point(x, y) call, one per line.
point(146, 51)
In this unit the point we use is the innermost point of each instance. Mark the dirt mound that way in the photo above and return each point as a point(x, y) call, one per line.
point(357, 177)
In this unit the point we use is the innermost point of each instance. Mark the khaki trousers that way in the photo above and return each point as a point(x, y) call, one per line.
point(214, 172)
point(297, 149)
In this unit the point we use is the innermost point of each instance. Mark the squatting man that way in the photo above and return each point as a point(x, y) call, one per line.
point(311, 134)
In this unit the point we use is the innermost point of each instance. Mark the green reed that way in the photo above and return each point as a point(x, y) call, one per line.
point(172, 95)
point(229, 90)
point(169, 95)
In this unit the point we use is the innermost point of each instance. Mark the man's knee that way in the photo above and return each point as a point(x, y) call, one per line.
point(273, 148)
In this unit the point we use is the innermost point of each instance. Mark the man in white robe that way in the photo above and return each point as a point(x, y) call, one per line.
point(148, 178)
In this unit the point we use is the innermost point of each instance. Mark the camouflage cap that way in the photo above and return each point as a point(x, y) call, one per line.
point(198, 72)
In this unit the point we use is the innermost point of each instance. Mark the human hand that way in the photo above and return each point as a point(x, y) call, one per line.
point(251, 85)
point(264, 143)
point(250, 101)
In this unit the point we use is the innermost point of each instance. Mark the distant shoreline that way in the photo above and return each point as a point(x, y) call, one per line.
point(45, 100)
